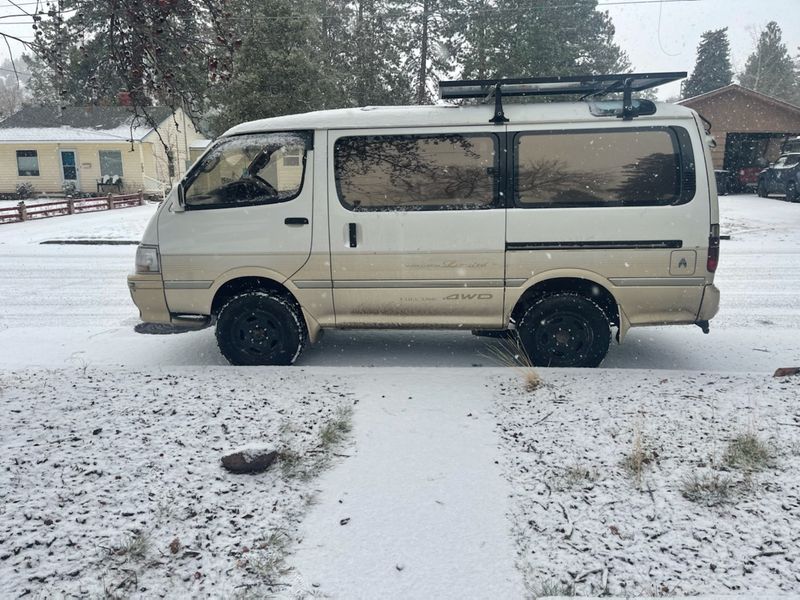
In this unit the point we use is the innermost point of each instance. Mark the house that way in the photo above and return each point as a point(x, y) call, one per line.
point(749, 127)
point(82, 146)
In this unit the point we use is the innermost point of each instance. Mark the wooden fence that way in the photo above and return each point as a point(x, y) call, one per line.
point(68, 206)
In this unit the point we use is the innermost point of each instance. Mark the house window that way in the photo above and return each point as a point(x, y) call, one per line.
point(110, 163)
point(27, 163)
point(291, 158)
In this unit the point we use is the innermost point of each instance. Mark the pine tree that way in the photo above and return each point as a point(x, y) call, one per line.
point(517, 38)
point(712, 70)
point(165, 51)
point(426, 31)
point(769, 69)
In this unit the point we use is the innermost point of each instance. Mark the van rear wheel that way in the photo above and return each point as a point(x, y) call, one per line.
point(260, 328)
point(565, 330)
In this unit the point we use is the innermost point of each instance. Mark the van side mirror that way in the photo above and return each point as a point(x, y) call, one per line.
point(181, 196)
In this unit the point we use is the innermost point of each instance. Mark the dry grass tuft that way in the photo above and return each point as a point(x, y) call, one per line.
point(711, 489)
point(307, 465)
point(575, 476)
point(510, 353)
point(639, 457)
point(553, 588)
point(747, 452)
point(134, 547)
point(336, 430)
point(267, 560)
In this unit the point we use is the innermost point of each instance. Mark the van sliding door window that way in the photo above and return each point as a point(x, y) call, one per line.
point(605, 167)
point(417, 172)
point(249, 169)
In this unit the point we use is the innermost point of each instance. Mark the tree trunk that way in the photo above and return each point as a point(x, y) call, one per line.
point(422, 92)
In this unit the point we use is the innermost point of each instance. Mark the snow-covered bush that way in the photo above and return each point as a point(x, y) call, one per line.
point(69, 188)
point(25, 190)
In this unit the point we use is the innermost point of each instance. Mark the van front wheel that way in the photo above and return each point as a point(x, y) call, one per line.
point(260, 328)
point(565, 330)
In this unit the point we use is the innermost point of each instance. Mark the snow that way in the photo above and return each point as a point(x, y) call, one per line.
point(430, 511)
point(647, 539)
point(123, 133)
point(423, 494)
point(92, 458)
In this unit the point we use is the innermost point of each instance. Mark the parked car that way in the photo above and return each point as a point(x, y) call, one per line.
point(556, 221)
point(723, 179)
point(781, 177)
point(746, 178)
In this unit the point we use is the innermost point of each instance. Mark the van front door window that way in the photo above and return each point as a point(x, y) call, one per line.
point(247, 170)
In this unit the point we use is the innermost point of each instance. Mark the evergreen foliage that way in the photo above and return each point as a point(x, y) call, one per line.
point(518, 38)
point(712, 70)
point(769, 69)
point(235, 60)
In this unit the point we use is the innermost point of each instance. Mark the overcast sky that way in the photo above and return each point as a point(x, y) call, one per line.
point(658, 36)
point(672, 46)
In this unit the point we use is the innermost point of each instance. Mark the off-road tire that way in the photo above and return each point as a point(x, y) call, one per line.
point(565, 330)
point(260, 328)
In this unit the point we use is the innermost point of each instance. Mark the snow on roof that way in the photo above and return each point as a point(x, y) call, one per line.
point(79, 124)
point(441, 116)
point(735, 87)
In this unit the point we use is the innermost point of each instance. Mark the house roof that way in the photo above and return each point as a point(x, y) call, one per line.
point(735, 87)
point(79, 124)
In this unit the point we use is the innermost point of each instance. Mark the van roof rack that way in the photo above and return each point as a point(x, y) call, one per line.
point(584, 85)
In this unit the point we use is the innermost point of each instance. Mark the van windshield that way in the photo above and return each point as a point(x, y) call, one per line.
point(249, 169)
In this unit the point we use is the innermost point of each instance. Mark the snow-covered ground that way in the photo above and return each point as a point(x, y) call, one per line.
point(452, 475)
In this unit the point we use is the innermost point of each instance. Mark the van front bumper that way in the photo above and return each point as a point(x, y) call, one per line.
point(147, 292)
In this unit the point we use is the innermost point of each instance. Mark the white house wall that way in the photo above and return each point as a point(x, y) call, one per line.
point(179, 138)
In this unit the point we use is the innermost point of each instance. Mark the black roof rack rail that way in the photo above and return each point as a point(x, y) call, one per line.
point(583, 85)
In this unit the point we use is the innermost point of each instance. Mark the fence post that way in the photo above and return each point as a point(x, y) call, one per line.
point(110, 202)
point(23, 212)
point(141, 198)
point(70, 206)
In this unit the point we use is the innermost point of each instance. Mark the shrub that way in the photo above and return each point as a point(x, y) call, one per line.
point(25, 190)
point(69, 188)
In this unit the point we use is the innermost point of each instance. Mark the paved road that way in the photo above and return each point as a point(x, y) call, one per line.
point(69, 305)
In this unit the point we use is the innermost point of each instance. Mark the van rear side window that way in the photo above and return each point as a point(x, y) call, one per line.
point(622, 167)
point(417, 172)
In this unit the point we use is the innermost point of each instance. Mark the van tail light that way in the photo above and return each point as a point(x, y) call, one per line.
point(713, 249)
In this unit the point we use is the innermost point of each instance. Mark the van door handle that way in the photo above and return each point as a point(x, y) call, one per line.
point(353, 236)
point(295, 221)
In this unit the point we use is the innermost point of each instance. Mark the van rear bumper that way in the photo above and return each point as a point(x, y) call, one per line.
point(709, 306)
point(147, 293)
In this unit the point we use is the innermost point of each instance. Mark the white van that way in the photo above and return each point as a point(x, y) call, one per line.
point(555, 220)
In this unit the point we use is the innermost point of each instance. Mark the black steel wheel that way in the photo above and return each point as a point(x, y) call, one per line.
point(565, 330)
point(791, 192)
point(260, 328)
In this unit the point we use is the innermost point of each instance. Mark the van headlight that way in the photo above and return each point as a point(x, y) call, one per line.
point(147, 260)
